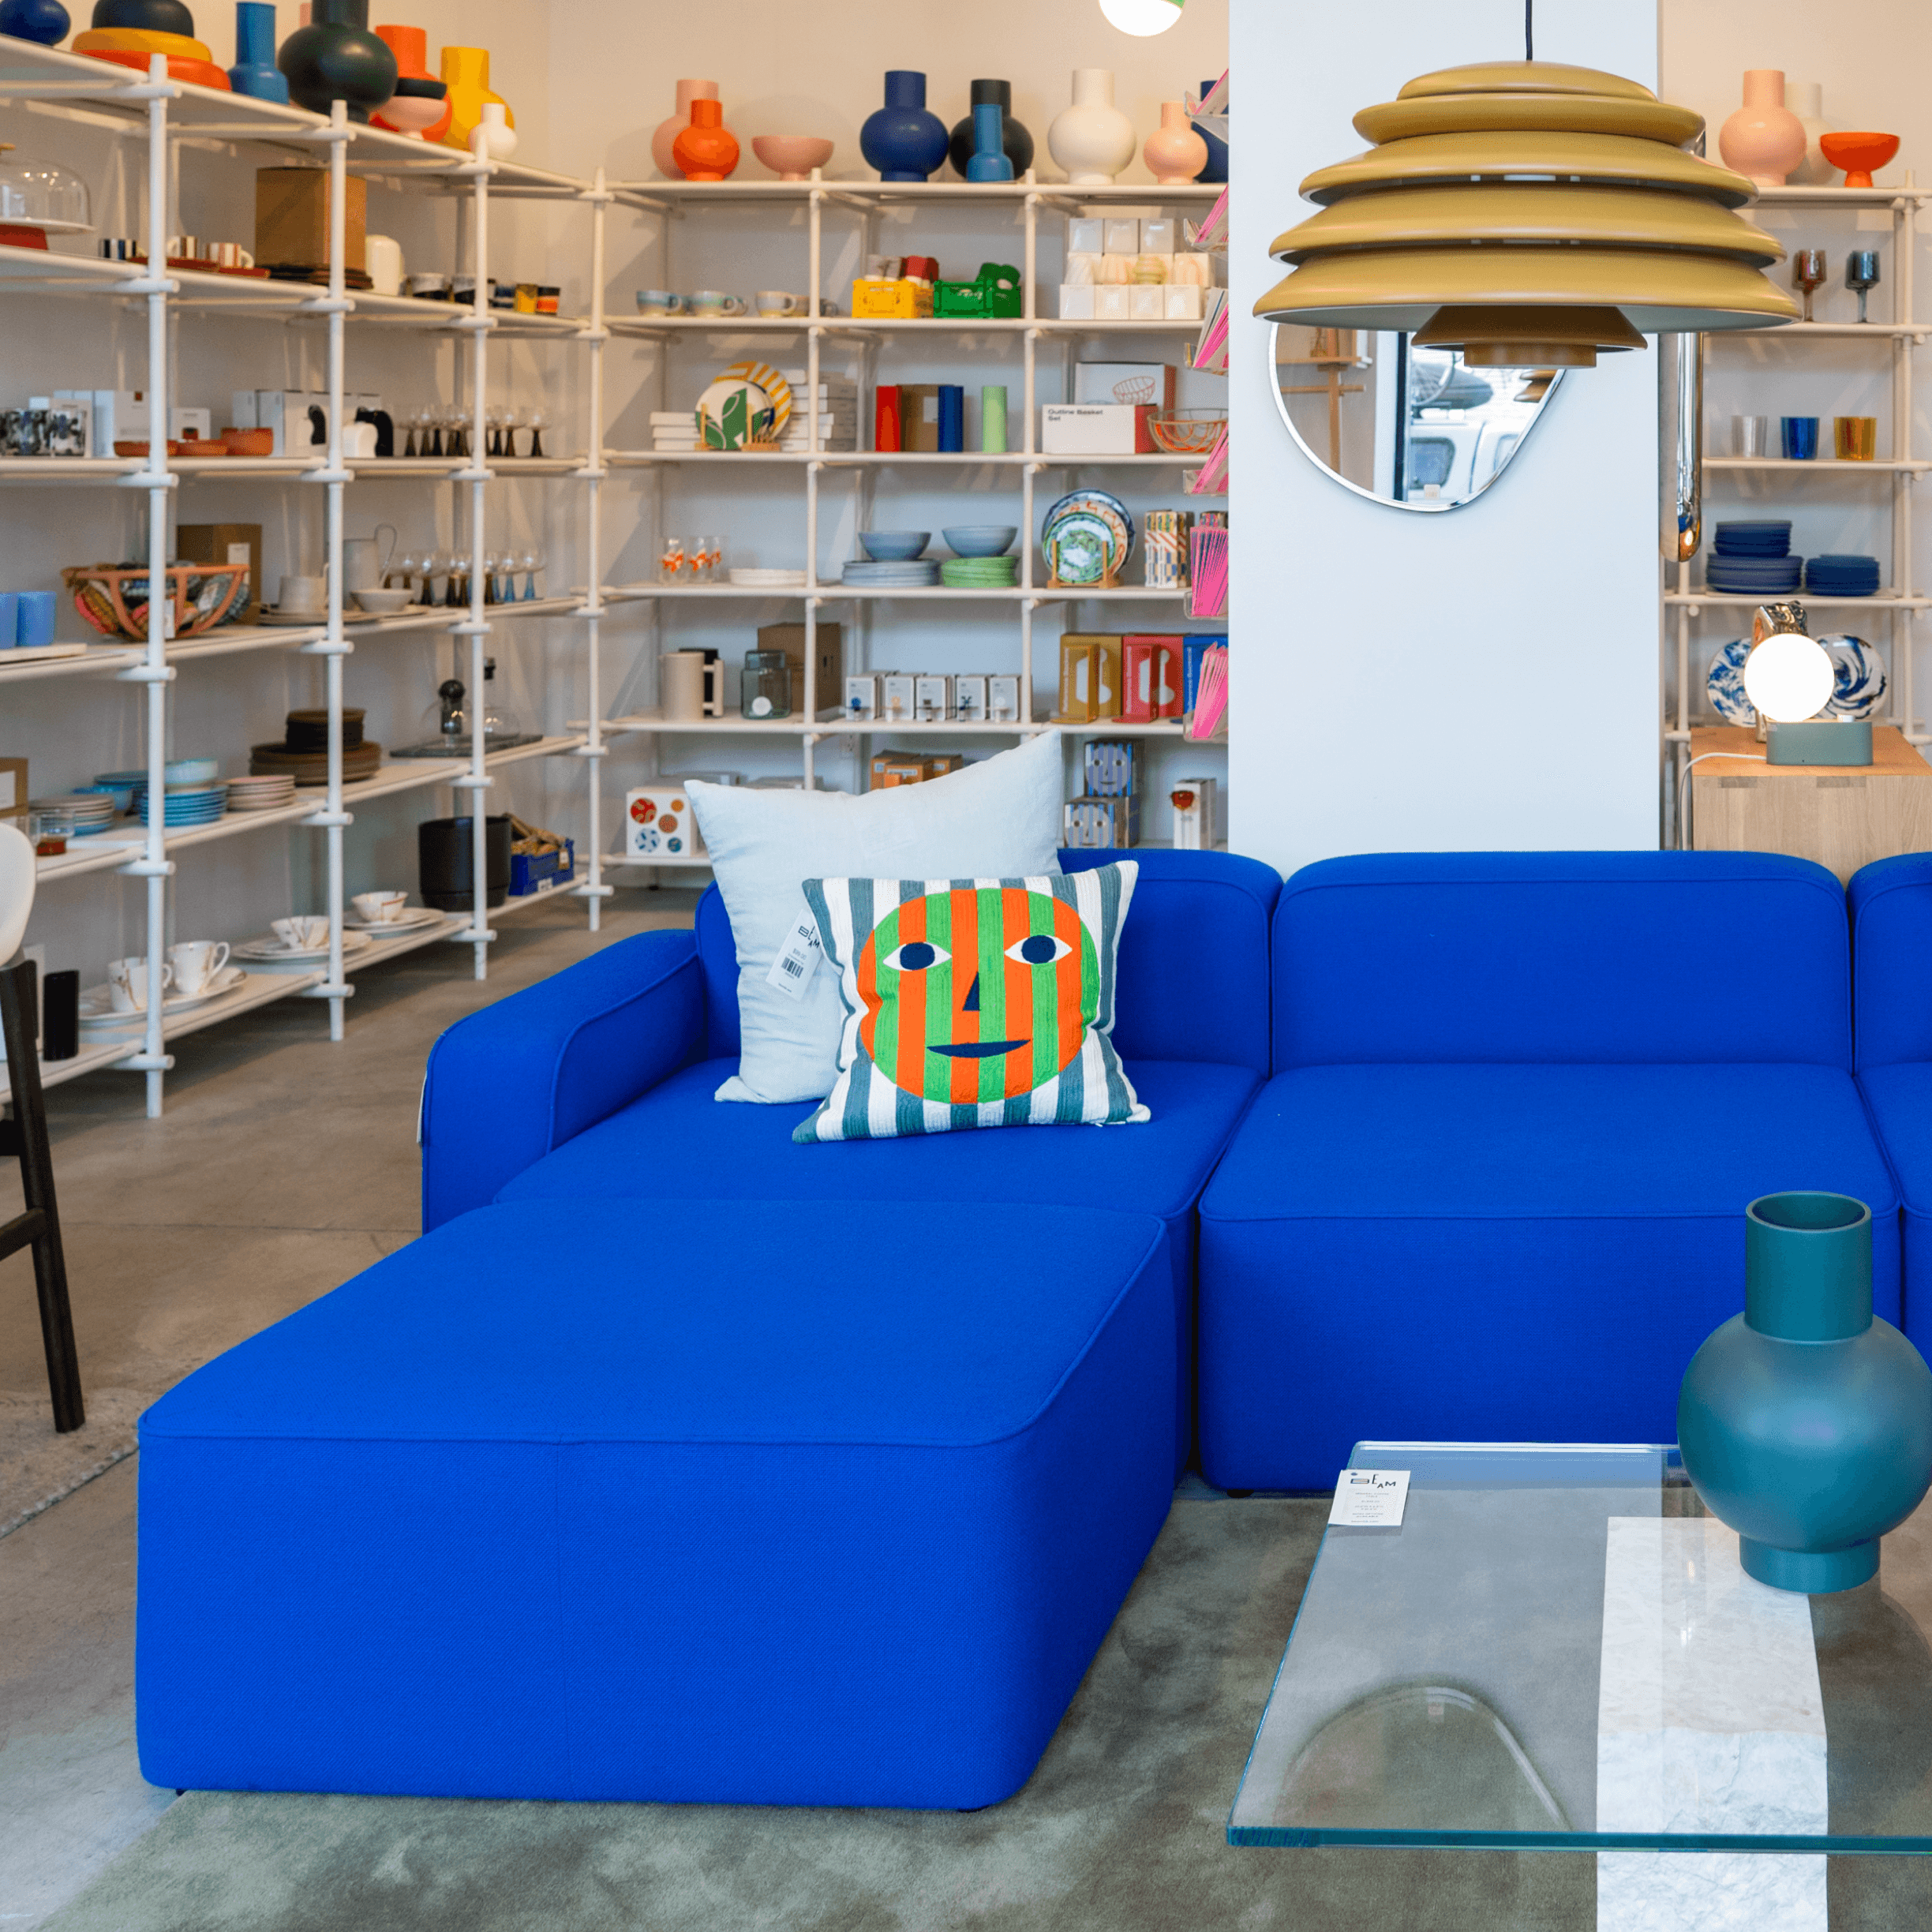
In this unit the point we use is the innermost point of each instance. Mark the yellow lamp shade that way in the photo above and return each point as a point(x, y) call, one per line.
point(1531, 214)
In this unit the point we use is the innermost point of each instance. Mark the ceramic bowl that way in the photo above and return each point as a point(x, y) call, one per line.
point(385, 603)
point(981, 539)
point(792, 157)
point(895, 546)
point(190, 771)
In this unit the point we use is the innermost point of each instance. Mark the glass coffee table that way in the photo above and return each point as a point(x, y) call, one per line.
point(1557, 1650)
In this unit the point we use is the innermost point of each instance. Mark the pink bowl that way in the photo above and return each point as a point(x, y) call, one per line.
point(792, 157)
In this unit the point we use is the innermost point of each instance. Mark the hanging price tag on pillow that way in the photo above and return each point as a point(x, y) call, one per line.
point(798, 959)
point(1370, 1499)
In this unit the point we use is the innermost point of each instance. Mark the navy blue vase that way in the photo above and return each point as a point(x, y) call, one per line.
point(1805, 1422)
point(902, 140)
point(336, 57)
point(44, 20)
point(1216, 170)
point(1017, 142)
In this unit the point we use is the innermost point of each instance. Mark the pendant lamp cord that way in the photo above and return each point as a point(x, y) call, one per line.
point(1529, 30)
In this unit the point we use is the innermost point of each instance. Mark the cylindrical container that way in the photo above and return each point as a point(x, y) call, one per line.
point(548, 298)
point(10, 619)
point(1855, 438)
point(993, 417)
point(765, 686)
point(886, 432)
point(446, 864)
point(34, 624)
point(1800, 437)
point(952, 416)
point(681, 685)
point(922, 268)
point(60, 1016)
point(1750, 436)
point(672, 567)
point(1805, 1422)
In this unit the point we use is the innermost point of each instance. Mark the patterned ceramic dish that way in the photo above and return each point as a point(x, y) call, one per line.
point(1859, 689)
point(733, 412)
point(762, 376)
point(1724, 684)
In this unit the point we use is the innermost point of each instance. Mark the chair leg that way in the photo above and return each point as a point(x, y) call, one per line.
point(26, 1136)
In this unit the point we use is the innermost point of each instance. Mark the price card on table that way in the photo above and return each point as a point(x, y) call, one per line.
point(1370, 1499)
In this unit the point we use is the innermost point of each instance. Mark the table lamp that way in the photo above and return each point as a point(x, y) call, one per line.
point(1789, 677)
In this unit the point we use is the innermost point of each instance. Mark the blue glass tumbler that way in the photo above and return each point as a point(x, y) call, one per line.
point(1800, 438)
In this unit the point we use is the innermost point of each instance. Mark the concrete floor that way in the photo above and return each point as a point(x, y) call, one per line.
point(283, 1166)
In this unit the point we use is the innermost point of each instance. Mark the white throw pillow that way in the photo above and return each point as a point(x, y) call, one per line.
point(1000, 818)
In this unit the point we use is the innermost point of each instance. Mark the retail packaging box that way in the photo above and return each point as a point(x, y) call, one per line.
point(902, 768)
point(120, 416)
point(1077, 301)
point(1120, 234)
point(1181, 301)
point(1090, 677)
point(1002, 697)
point(829, 640)
point(932, 698)
point(1193, 802)
point(1125, 382)
point(1110, 768)
point(969, 697)
point(659, 824)
point(1101, 824)
point(862, 694)
point(1086, 235)
point(300, 421)
point(895, 695)
point(13, 792)
point(1146, 302)
point(1158, 236)
point(1150, 677)
point(1096, 428)
point(292, 218)
point(80, 409)
point(190, 425)
point(226, 543)
point(1111, 303)
point(918, 416)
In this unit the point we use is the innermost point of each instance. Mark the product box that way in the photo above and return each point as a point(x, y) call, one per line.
point(1090, 677)
point(77, 405)
point(13, 792)
point(932, 698)
point(292, 218)
point(1086, 235)
point(901, 767)
point(830, 668)
point(189, 425)
point(1081, 269)
point(1193, 643)
point(1181, 301)
point(1110, 768)
point(226, 543)
point(1146, 302)
point(969, 697)
point(1150, 677)
point(1077, 301)
point(1101, 824)
point(1111, 303)
point(1193, 802)
point(1125, 382)
point(120, 416)
point(1120, 234)
point(659, 824)
point(1002, 697)
point(895, 695)
point(1096, 428)
point(862, 694)
point(905, 300)
point(1158, 236)
point(918, 416)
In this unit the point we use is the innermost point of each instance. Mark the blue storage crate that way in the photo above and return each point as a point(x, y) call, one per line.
point(540, 872)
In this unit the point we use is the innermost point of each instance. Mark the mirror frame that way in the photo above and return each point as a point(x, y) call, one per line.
point(1425, 508)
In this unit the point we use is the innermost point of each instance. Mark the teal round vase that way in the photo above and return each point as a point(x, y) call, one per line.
point(1805, 1422)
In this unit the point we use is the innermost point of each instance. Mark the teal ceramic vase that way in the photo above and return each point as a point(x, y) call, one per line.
point(1806, 1423)
point(255, 72)
point(990, 163)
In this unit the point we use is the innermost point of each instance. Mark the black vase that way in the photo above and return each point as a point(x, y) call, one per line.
point(335, 58)
point(1018, 143)
point(146, 15)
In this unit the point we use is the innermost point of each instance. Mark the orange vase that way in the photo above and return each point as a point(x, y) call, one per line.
point(707, 150)
point(410, 114)
point(466, 72)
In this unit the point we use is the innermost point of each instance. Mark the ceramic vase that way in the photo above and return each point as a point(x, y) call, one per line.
point(336, 57)
point(1763, 139)
point(667, 131)
point(254, 72)
point(466, 73)
point(149, 16)
point(901, 140)
point(1092, 140)
point(989, 162)
point(707, 150)
point(1019, 143)
point(499, 138)
point(420, 103)
point(1805, 1422)
point(1806, 99)
point(1216, 170)
point(1175, 154)
point(43, 21)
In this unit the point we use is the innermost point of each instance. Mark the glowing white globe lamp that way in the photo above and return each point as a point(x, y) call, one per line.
point(1788, 677)
point(1142, 17)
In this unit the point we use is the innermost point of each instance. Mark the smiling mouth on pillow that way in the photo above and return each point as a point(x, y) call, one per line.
point(983, 1050)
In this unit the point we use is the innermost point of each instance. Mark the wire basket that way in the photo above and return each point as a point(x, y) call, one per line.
point(1192, 434)
point(113, 597)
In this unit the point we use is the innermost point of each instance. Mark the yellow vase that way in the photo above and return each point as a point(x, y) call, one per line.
point(466, 73)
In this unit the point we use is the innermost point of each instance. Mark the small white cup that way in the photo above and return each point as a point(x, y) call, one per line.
point(127, 983)
point(299, 934)
point(777, 302)
point(302, 595)
point(194, 962)
point(378, 908)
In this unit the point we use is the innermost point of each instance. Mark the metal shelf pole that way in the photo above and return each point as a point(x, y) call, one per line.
point(592, 751)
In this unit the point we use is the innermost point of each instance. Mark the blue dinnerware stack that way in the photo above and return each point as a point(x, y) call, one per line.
point(1842, 576)
point(1753, 559)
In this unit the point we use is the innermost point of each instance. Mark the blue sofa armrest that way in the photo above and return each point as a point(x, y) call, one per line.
point(508, 1084)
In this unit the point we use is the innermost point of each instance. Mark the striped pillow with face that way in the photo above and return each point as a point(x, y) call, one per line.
point(973, 1002)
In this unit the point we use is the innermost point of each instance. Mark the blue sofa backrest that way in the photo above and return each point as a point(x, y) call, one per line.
point(1891, 903)
point(1193, 981)
point(1561, 956)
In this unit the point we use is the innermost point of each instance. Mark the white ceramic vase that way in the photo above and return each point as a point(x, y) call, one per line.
point(1806, 99)
point(1092, 140)
point(499, 138)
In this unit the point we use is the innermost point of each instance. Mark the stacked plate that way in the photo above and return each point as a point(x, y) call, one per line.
point(261, 792)
point(1842, 576)
point(266, 949)
point(769, 579)
point(1087, 537)
point(993, 573)
point(91, 810)
point(1753, 559)
point(190, 805)
point(911, 576)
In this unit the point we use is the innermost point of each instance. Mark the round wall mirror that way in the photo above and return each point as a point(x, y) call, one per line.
point(1416, 429)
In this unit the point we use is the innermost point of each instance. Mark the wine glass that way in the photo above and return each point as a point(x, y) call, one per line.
point(1808, 272)
point(530, 562)
point(1862, 274)
point(534, 419)
point(512, 421)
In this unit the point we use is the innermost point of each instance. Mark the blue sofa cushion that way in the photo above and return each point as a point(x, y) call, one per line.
point(1900, 1100)
point(1890, 907)
point(1561, 956)
point(725, 1506)
point(1495, 1253)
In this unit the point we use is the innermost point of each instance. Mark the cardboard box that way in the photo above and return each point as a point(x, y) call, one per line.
point(900, 768)
point(1125, 382)
point(1101, 824)
point(1192, 800)
point(292, 218)
point(1096, 428)
point(1003, 697)
point(918, 416)
point(13, 792)
point(300, 421)
point(80, 406)
point(1110, 768)
point(969, 697)
point(830, 644)
point(226, 543)
point(932, 698)
point(1150, 677)
point(659, 824)
point(1158, 235)
point(896, 689)
point(1090, 677)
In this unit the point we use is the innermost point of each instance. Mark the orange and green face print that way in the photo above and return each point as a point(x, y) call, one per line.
point(977, 993)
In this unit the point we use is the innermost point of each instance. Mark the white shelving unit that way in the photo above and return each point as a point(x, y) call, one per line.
point(1683, 603)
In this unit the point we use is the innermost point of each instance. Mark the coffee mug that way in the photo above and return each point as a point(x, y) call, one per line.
point(659, 301)
point(778, 302)
point(127, 983)
point(300, 935)
point(194, 962)
point(382, 256)
point(429, 286)
point(303, 596)
point(681, 685)
point(34, 626)
point(378, 908)
point(714, 302)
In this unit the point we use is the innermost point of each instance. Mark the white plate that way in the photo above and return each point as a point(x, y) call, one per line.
point(271, 951)
point(97, 1002)
point(414, 919)
point(311, 620)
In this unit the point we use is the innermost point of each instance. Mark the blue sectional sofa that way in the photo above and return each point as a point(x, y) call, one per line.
point(1494, 1190)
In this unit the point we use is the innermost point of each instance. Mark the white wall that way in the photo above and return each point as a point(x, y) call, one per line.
point(1482, 678)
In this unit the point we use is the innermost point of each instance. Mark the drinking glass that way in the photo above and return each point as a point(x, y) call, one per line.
point(1808, 273)
point(512, 421)
point(1800, 435)
point(533, 420)
point(1862, 274)
point(673, 567)
point(710, 549)
point(1856, 437)
point(1750, 436)
point(530, 562)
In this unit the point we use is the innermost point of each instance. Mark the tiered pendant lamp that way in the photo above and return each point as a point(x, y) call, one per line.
point(1531, 214)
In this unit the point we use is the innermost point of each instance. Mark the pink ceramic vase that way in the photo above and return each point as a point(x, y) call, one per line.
point(1763, 139)
point(667, 132)
point(1174, 153)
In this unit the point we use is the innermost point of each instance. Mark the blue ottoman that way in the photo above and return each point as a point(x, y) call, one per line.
point(726, 1501)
